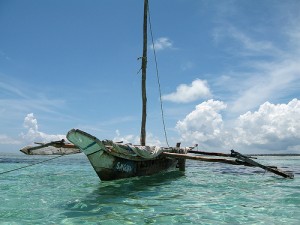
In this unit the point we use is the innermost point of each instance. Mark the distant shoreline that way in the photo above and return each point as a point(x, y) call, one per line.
point(247, 154)
point(273, 154)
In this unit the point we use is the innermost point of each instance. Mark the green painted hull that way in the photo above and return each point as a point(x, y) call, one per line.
point(112, 165)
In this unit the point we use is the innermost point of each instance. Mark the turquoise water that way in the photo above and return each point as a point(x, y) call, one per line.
point(66, 190)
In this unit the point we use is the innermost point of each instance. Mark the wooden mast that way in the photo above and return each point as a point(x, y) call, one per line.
point(144, 67)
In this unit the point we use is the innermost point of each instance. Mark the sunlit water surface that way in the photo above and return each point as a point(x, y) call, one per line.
point(66, 190)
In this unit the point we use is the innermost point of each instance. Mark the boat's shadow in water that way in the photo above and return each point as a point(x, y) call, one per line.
point(110, 195)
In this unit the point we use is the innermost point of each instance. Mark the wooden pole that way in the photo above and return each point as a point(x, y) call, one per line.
point(144, 68)
point(199, 158)
point(210, 153)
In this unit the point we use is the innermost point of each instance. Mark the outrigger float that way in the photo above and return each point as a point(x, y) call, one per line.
point(240, 159)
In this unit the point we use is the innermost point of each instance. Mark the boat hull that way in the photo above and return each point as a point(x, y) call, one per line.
point(111, 165)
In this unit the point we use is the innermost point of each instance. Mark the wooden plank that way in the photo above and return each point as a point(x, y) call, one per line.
point(210, 153)
point(199, 158)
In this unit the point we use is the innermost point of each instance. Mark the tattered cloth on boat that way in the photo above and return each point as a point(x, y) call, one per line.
point(147, 152)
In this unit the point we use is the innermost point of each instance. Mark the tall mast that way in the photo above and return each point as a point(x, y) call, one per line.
point(144, 67)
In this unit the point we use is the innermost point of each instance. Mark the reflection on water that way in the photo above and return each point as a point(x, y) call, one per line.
point(122, 192)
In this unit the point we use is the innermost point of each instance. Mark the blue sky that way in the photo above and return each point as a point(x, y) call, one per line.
point(229, 72)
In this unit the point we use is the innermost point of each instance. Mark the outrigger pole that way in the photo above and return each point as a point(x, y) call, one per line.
point(240, 160)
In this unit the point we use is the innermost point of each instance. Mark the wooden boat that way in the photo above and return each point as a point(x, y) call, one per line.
point(114, 160)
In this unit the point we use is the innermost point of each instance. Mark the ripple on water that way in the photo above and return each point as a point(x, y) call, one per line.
point(67, 191)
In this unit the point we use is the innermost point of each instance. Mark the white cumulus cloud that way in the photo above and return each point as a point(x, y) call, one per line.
point(187, 93)
point(204, 124)
point(34, 135)
point(162, 43)
point(273, 127)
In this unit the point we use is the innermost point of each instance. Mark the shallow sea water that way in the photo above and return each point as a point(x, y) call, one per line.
point(66, 190)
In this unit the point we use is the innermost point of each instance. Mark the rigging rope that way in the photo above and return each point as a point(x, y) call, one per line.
point(30, 165)
point(158, 80)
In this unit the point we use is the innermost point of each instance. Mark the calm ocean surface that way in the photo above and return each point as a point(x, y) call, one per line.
point(66, 190)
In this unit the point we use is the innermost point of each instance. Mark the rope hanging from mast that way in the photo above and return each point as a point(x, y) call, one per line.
point(158, 80)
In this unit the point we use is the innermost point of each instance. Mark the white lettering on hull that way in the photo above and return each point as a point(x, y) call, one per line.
point(124, 167)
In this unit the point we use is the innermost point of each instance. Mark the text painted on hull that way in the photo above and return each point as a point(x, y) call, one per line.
point(125, 167)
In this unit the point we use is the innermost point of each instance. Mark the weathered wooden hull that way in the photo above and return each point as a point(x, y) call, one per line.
point(110, 165)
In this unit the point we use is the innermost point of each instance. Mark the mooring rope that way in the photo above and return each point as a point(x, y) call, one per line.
point(158, 80)
point(30, 165)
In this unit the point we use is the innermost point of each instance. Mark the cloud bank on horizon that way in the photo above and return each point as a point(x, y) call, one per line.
point(272, 127)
